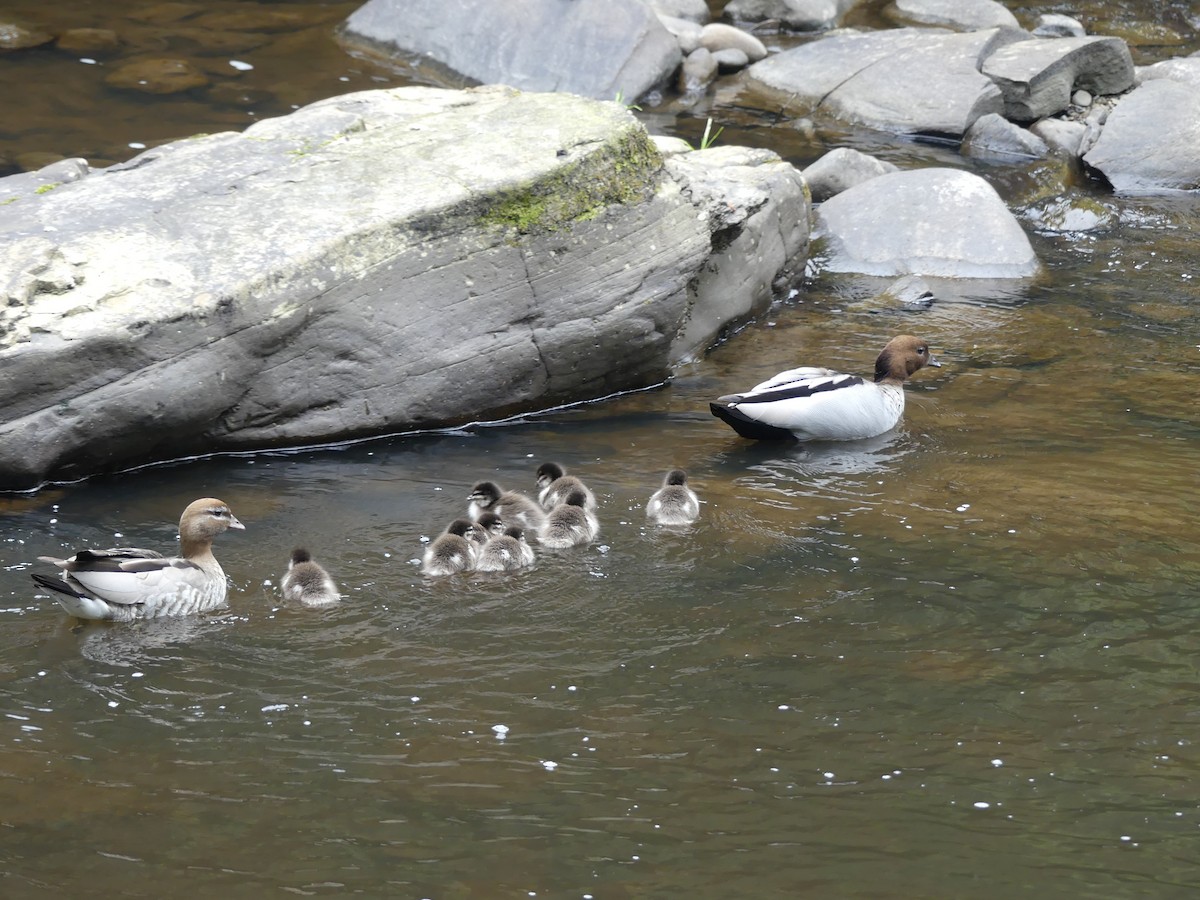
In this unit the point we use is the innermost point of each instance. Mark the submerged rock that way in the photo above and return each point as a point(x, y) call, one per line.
point(937, 222)
point(960, 15)
point(377, 262)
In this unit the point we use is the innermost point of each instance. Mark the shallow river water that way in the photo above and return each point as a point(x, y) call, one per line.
point(958, 660)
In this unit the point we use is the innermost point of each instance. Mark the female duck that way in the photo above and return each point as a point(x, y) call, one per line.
point(554, 484)
point(126, 583)
point(454, 550)
point(505, 552)
point(674, 503)
point(512, 507)
point(307, 583)
point(811, 404)
point(570, 523)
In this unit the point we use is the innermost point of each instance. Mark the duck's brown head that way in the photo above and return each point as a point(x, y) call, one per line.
point(901, 357)
point(202, 521)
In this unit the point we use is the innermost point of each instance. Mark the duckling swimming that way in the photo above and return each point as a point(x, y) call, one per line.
point(307, 583)
point(506, 552)
point(554, 484)
point(570, 523)
point(674, 503)
point(514, 508)
point(454, 550)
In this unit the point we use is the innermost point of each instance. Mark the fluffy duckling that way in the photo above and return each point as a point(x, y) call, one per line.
point(489, 524)
point(811, 404)
point(570, 523)
point(454, 550)
point(505, 552)
point(512, 507)
point(307, 583)
point(126, 583)
point(554, 484)
point(674, 503)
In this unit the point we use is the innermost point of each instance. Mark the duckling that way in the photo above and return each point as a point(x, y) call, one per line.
point(554, 484)
point(454, 550)
point(127, 583)
point(307, 583)
point(820, 404)
point(514, 508)
point(489, 523)
point(506, 552)
point(570, 523)
point(674, 503)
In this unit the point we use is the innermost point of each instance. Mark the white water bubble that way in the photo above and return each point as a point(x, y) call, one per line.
point(981, 804)
point(549, 765)
point(274, 707)
point(240, 65)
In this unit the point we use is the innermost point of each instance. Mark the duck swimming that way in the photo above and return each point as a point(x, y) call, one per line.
point(813, 404)
point(674, 503)
point(307, 583)
point(570, 523)
point(127, 583)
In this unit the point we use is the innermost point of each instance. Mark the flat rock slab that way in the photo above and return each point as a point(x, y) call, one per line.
point(904, 80)
point(596, 48)
point(935, 222)
point(1151, 139)
point(374, 263)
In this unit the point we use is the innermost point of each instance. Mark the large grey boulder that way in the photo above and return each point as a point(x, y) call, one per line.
point(935, 222)
point(1038, 76)
point(904, 80)
point(595, 48)
point(374, 263)
point(1151, 139)
point(798, 15)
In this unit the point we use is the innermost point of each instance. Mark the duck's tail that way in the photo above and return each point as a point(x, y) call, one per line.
point(78, 605)
point(746, 426)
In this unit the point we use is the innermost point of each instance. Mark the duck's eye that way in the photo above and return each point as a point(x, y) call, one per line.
point(922, 350)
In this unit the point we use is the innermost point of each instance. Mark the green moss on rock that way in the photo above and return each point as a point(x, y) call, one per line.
point(623, 172)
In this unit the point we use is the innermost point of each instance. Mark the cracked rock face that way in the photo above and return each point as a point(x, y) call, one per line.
point(374, 263)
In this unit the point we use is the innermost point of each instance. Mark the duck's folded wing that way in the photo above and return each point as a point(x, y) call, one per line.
point(781, 389)
point(141, 580)
point(804, 373)
point(101, 559)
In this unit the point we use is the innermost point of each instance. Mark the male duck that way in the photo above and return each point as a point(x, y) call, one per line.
point(307, 582)
point(812, 404)
point(505, 552)
point(674, 503)
point(570, 523)
point(554, 484)
point(454, 550)
point(126, 583)
point(512, 507)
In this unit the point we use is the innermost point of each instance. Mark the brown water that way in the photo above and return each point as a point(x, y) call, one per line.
point(959, 660)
